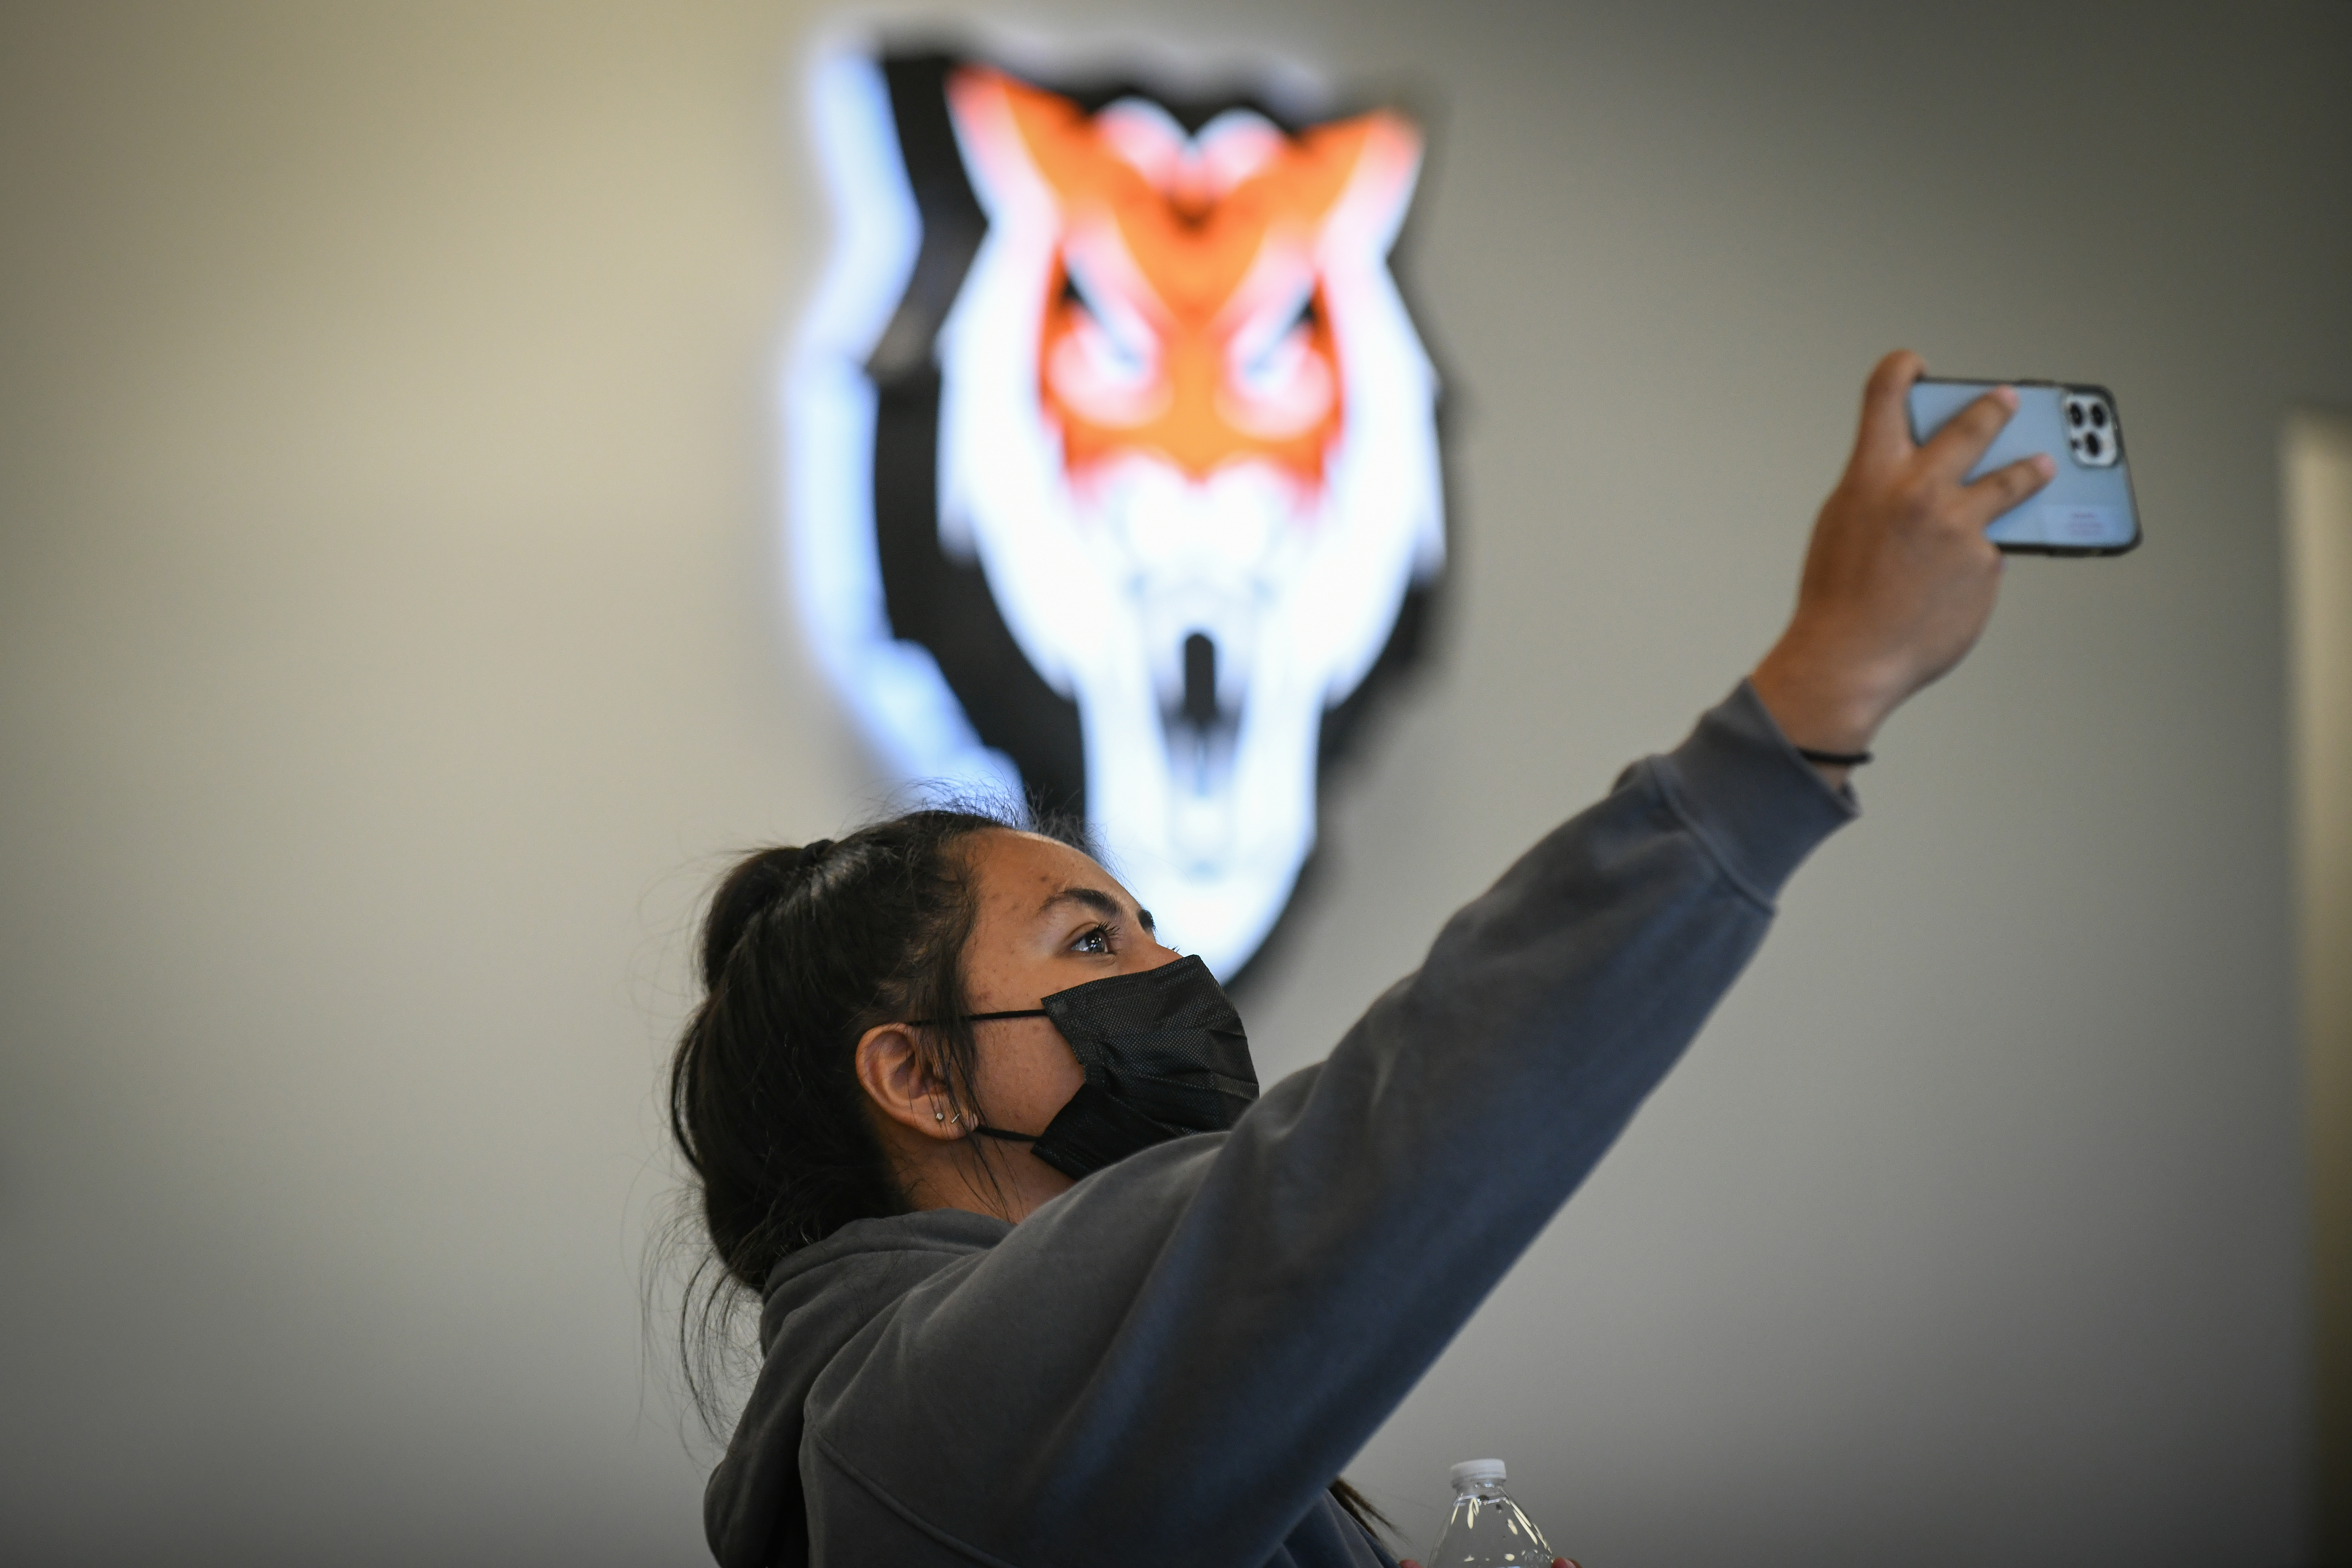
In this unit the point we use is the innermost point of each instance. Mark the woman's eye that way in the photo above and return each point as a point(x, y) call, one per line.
point(1095, 941)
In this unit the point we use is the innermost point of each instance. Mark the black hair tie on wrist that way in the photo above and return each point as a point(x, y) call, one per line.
point(1833, 759)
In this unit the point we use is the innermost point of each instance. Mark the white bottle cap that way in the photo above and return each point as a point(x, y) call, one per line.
point(1475, 1471)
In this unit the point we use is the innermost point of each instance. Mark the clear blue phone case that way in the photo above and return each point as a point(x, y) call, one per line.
point(2086, 510)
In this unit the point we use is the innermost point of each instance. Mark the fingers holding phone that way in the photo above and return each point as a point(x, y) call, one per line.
point(2088, 508)
point(1900, 577)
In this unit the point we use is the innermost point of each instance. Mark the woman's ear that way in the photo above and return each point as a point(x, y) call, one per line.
point(896, 1076)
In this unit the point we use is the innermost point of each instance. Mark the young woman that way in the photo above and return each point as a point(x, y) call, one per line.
point(1044, 1280)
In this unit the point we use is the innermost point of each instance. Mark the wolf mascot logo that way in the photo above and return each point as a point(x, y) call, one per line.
point(1115, 472)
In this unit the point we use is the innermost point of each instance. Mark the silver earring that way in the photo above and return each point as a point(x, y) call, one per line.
point(938, 1115)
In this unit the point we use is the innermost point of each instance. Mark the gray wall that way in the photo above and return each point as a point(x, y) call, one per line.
point(390, 639)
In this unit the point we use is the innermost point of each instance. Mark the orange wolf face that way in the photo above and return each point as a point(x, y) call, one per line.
point(1116, 459)
point(1185, 315)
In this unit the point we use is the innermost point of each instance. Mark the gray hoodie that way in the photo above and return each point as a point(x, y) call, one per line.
point(1168, 1362)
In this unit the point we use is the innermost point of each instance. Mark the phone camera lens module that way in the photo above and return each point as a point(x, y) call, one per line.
point(2091, 430)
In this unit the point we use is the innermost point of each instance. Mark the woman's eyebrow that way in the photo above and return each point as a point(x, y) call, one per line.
point(1098, 900)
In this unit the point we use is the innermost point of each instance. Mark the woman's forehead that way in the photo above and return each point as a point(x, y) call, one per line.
point(1014, 863)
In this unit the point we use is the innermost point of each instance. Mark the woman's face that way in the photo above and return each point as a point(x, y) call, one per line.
point(1048, 919)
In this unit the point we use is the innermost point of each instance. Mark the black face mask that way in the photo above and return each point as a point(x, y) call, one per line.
point(1164, 1054)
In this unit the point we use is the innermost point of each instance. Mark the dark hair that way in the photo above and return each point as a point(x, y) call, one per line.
point(803, 950)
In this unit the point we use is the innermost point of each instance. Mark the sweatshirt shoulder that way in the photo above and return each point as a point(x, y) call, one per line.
point(869, 1262)
point(818, 1302)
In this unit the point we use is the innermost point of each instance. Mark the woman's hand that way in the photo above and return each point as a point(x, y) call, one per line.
point(1899, 579)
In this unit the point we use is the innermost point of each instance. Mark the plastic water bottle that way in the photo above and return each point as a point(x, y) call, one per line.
point(1487, 1528)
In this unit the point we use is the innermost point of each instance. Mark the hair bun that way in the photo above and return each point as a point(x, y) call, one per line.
point(757, 884)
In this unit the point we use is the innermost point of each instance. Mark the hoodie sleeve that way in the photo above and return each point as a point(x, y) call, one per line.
point(1175, 1357)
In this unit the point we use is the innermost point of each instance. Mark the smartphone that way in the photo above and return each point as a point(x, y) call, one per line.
point(2087, 507)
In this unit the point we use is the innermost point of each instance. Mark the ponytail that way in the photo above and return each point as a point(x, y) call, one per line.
point(803, 950)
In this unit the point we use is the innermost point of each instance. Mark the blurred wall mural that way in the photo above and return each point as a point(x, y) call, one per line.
point(1115, 468)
